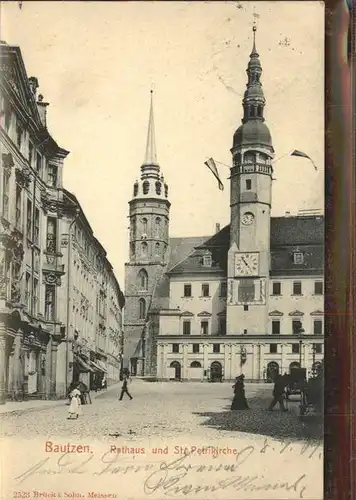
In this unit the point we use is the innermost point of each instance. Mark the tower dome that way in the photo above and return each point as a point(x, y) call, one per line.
point(253, 130)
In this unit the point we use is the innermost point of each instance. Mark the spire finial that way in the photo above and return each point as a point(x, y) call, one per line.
point(254, 29)
point(151, 155)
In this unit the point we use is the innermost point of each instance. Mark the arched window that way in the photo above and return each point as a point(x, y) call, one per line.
point(144, 225)
point(133, 227)
point(135, 189)
point(157, 250)
point(250, 158)
point(146, 187)
point(143, 279)
point(144, 249)
point(166, 190)
point(195, 364)
point(158, 188)
point(158, 227)
point(142, 308)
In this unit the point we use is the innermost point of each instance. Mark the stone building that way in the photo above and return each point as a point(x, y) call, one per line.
point(248, 299)
point(91, 301)
point(37, 215)
point(31, 264)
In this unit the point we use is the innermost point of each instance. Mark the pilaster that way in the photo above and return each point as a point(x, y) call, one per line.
point(2, 363)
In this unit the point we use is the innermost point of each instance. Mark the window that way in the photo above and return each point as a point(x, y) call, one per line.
point(166, 190)
point(29, 220)
point(35, 296)
point(19, 133)
point(50, 292)
point(133, 227)
point(276, 327)
point(318, 288)
point(204, 327)
point(51, 244)
point(157, 250)
point(223, 289)
point(195, 348)
point(195, 364)
point(143, 279)
point(18, 207)
point(187, 290)
point(245, 331)
point(30, 153)
point(248, 184)
point(7, 112)
point(296, 327)
point(246, 291)
point(146, 187)
point(297, 288)
point(295, 348)
point(207, 260)
point(298, 258)
point(318, 348)
point(36, 227)
point(273, 348)
point(205, 290)
point(5, 201)
point(135, 191)
point(158, 188)
point(52, 175)
point(222, 326)
point(276, 288)
point(318, 327)
point(28, 291)
point(245, 307)
point(144, 226)
point(158, 227)
point(175, 348)
point(142, 304)
point(186, 327)
point(144, 249)
point(38, 163)
point(216, 348)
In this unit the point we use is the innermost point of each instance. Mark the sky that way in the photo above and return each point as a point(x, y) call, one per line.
point(96, 63)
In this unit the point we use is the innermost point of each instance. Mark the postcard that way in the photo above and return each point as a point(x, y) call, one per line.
point(162, 250)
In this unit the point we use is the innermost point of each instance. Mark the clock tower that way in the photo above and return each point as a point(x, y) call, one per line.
point(250, 203)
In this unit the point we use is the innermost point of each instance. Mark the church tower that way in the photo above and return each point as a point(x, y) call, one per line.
point(149, 239)
point(250, 202)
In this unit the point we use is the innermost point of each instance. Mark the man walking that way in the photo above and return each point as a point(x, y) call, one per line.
point(278, 392)
point(124, 388)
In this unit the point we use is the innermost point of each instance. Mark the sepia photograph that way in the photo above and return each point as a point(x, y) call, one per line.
point(162, 249)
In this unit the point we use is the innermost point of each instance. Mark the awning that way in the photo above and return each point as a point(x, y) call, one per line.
point(84, 365)
point(99, 366)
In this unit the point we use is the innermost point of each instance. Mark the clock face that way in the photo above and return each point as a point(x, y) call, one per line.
point(246, 264)
point(247, 218)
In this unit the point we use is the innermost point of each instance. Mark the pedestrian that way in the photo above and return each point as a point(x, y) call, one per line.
point(239, 402)
point(75, 407)
point(278, 393)
point(124, 389)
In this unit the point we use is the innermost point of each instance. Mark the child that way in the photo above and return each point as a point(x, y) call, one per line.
point(75, 404)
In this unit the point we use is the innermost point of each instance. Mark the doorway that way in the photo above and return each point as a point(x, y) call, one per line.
point(177, 369)
point(272, 371)
point(216, 371)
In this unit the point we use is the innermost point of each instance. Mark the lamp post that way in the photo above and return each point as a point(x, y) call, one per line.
point(300, 333)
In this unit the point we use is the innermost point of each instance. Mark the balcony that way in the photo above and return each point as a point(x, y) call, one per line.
point(52, 262)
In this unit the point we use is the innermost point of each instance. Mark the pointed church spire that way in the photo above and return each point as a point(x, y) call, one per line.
point(151, 154)
point(254, 52)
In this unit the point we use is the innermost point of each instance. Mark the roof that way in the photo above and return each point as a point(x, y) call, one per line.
point(288, 235)
point(181, 248)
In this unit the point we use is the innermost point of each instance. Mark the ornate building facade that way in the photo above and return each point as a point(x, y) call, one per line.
point(35, 214)
point(248, 299)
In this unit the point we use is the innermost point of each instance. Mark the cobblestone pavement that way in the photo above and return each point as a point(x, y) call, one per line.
point(165, 409)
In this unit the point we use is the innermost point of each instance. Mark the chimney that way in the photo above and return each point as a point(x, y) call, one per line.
point(287, 214)
point(217, 227)
point(41, 106)
point(33, 83)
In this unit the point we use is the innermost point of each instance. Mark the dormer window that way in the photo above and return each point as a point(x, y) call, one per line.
point(146, 187)
point(298, 258)
point(207, 260)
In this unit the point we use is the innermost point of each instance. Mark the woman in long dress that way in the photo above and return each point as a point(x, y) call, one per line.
point(75, 407)
point(239, 402)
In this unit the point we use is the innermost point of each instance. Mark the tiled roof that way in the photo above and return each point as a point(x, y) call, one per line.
point(304, 230)
point(288, 235)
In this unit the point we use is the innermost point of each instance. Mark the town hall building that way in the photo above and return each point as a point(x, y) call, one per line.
point(248, 299)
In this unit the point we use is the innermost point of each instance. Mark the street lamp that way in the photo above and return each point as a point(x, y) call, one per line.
point(300, 333)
